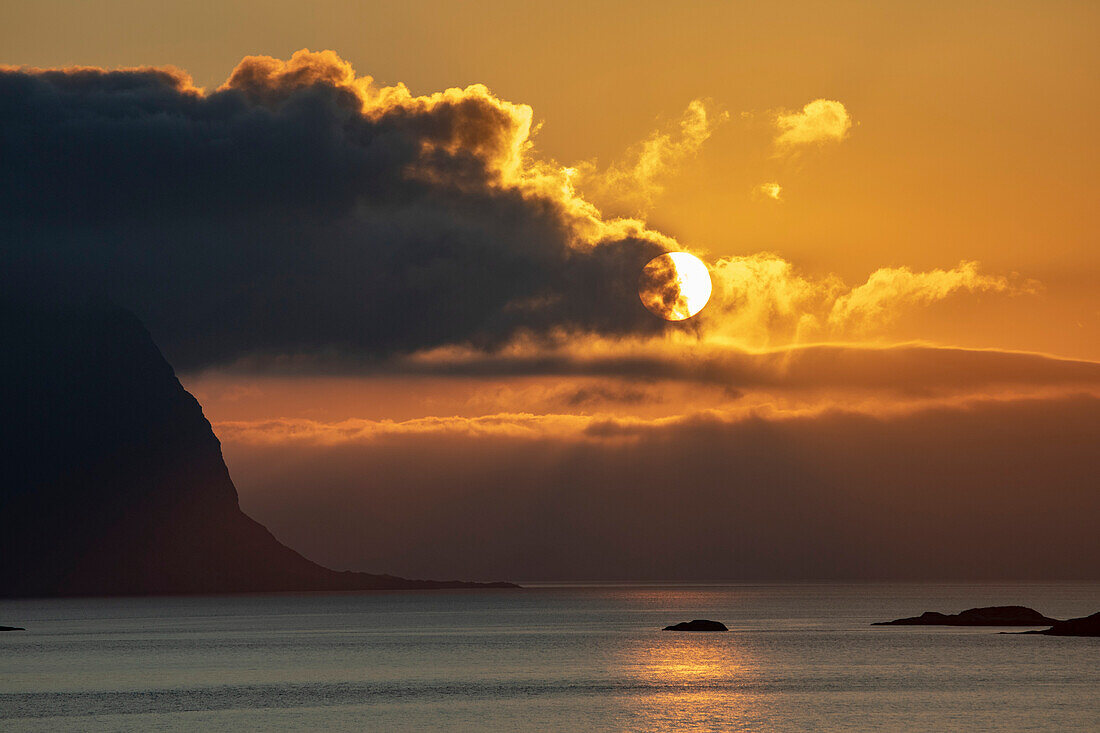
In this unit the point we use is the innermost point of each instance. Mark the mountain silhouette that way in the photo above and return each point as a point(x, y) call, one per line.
point(113, 481)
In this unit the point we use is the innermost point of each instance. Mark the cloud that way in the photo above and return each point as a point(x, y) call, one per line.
point(301, 430)
point(762, 300)
point(820, 121)
point(635, 182)
point(837, 486)
point(600, 425)
point(897, 371)
point(300, 208)
point(770, 190)
point(886, 289)
point(987, 489)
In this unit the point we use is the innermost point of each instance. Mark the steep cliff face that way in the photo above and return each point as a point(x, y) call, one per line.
point(113, 481)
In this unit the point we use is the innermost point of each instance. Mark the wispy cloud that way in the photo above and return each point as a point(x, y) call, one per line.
point(763, 300)
point(889, 289)
point(638, 179)
point(820, 121)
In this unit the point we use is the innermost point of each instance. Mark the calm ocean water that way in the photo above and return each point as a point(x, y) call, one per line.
point(801, 657)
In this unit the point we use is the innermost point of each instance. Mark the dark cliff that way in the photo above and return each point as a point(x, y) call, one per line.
point(113, 482)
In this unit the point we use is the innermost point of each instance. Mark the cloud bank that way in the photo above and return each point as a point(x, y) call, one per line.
point(301, 213)
point(896, 369)
point(983, 490)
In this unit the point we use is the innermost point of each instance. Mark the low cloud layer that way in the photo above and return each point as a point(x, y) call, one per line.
point(896, 369)
point(815, 462)
point(984, 490)
point(575, 394)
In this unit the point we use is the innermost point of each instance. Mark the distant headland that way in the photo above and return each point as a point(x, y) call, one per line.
point(114, 481)
point(986, 616)
point(1005, 616)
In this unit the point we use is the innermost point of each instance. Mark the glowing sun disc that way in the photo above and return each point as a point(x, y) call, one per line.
point(675, 286)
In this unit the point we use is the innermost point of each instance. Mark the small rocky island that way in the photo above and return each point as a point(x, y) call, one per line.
point(699, 624)
point(987, 616)
point(12, 628)
point(1086, 626)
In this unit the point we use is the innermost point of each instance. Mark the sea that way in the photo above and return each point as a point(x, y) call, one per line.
point(578, 657)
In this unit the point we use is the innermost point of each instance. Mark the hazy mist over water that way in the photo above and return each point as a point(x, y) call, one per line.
point(580, 657)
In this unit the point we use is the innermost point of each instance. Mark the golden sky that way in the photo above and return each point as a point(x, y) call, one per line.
point(897, 203)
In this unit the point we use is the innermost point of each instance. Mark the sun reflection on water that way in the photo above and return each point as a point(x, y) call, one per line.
point(692, 681)
point(691, 659)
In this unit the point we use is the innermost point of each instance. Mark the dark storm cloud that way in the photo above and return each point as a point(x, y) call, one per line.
point(296, 210)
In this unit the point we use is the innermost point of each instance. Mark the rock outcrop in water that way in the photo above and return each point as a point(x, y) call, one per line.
point(1085, 626)
point(987, 616)
point(113, 481)
point(699, 624)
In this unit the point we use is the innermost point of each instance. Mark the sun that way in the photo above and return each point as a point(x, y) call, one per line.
point(675, 286)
